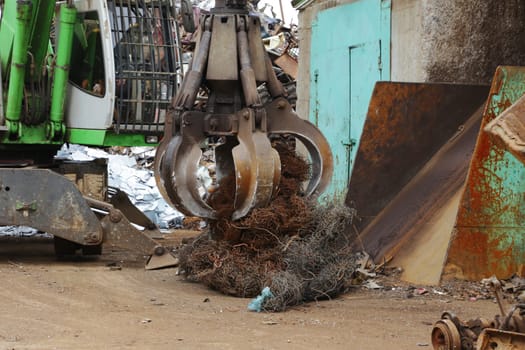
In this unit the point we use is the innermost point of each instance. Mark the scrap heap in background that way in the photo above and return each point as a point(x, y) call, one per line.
point(280, 39)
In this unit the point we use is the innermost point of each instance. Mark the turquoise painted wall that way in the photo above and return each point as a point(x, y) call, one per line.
point(350, 51)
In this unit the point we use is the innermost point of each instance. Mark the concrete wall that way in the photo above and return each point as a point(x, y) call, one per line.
point(406, 63)
point(464, 41)
point(460, 41)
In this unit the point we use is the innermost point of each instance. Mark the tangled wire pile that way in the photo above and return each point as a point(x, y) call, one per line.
point(300, 250)
point(319, 263)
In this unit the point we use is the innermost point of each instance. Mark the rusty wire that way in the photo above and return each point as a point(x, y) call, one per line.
point(320, 260)
point(300, 250)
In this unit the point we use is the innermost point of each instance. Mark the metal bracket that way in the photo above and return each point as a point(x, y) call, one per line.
point(25, 208)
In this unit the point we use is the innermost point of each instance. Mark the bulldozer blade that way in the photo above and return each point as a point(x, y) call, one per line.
point(49, 202)
point(257, 167)
point(411, 163)
point(488, 235)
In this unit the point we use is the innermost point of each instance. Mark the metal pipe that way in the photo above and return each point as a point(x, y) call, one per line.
point(275, 88)
point(2, 116)
point(15, 91)
point(56, 127)
point(249, 85)
point(282, 11)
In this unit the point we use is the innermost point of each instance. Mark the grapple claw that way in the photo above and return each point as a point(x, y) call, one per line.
point(178, 168)
point(283, 120)
point(257, 168)
point(235, 113)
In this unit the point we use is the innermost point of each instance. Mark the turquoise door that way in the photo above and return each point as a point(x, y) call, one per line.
point(350, 52)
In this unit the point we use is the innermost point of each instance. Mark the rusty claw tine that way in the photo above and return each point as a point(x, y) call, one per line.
point(283, 120)
point(224, 165)
point(179, 165)
point(257, 167)
point(159, 154)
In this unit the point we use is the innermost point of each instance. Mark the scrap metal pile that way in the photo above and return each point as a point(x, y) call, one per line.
point(299, 250)
point(505, 331)
point(280, 41)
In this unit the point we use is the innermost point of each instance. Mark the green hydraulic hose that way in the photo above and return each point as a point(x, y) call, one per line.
point(15, 90)
point(68, 15)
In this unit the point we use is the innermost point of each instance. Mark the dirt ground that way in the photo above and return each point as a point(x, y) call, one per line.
point(111, 302)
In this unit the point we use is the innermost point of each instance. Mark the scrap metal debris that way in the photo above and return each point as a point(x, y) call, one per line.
point(281, 41)
point(504, 331)
point(18, 231)
point(129, 169)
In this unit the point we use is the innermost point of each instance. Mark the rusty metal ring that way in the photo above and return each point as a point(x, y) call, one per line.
point(445, 336)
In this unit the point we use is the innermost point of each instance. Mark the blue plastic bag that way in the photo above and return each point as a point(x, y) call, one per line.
point(256, 303)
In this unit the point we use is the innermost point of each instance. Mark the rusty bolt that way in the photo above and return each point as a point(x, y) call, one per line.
point(159, 250)
point(281, 104)
point(214, 124)
point(115, 216)
point(246, 115)
point(92, 237)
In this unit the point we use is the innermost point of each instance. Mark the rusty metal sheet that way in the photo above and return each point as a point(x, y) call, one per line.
point(502, 340)
point(287, 64)
point(509, 129)
point(414, 218)
point(406, 124)
point(223, 48)
point(488, 238)
point(416, 226)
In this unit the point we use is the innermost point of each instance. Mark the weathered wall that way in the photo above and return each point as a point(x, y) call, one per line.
point(459, 41)
point(406, 63)
point(464, 40)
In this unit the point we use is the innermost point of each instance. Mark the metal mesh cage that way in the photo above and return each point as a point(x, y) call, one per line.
point(147, 62)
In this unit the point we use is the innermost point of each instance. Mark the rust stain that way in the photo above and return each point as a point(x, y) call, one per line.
point(468, 249)
point(491, 215)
